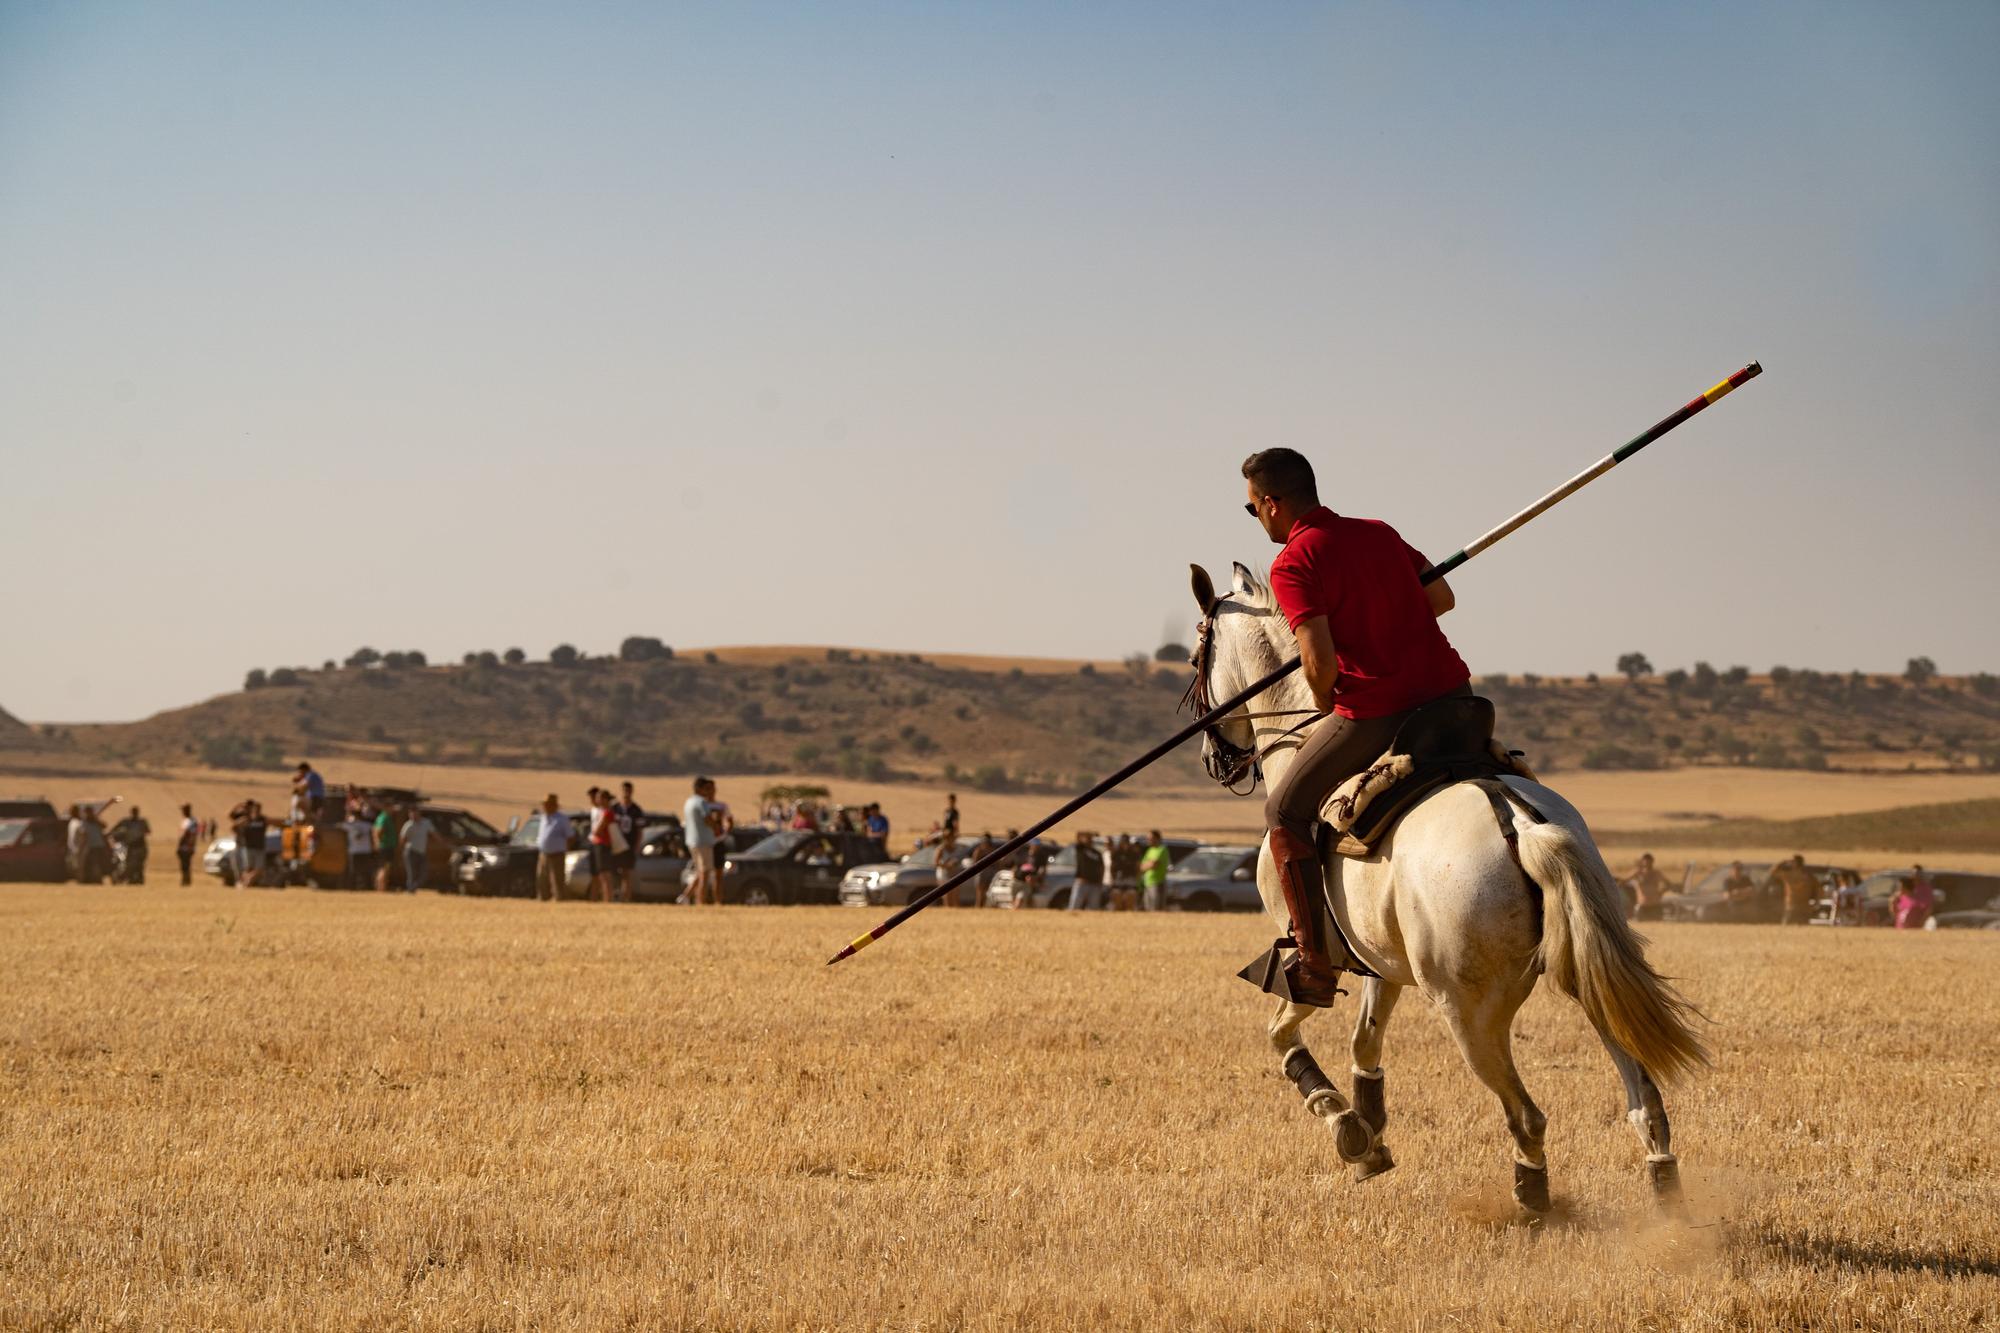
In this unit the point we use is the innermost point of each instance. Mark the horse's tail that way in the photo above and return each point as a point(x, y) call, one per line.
point(1593, 956)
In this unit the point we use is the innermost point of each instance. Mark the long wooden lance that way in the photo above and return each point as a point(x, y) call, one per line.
point(1257, 687)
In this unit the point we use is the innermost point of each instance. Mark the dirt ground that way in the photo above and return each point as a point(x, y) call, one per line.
point(1626, 800)
point(235, 1110)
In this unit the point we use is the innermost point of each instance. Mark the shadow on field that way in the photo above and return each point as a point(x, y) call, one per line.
point(1819, 1252)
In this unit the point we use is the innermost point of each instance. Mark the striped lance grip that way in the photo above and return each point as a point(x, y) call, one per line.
point(1595, 470)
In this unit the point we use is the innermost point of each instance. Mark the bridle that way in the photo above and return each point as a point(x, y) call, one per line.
point(1225, 761)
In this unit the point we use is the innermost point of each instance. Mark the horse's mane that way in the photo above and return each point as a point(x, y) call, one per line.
point(1258, 596)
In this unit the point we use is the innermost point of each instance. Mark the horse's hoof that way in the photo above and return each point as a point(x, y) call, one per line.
point(1531, 1187)
point(1352, 1137)
point(1665, 1175)
point(1374, 1164)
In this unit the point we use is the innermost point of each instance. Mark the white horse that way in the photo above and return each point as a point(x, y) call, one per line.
point(1442, 905)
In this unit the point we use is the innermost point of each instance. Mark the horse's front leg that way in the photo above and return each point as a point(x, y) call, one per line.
point(1321, 1097)
point(1358, 1133)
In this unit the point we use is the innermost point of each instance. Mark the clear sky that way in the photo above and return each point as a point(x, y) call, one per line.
point(946, 327)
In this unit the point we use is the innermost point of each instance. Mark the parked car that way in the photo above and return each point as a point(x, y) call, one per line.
point(1706, 901)
point(220, 858)
point(1059, 875)
point(894, 883)
point(1215, 879)
point(1963, 896)
point(797, 866)
point(506, 869)
point(34, 841)
point(656, 870)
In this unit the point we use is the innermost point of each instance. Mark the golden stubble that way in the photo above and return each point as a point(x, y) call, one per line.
point(293, 1109)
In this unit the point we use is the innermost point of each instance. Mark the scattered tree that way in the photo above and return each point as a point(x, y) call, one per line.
point(1677, 680)
point(284, 676)
point(563, 655)
point(363, 657)
point(513, 657)
point(1920, 671)
point(254, 679)
point(1634, 666)
point(1781, 677)
point(641, 649)
point(1171, 652)
point(1705, 680)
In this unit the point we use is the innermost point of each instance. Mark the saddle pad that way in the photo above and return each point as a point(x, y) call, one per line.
point(1346, 811)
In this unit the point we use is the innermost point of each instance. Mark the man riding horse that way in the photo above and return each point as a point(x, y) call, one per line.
point(1372, 652)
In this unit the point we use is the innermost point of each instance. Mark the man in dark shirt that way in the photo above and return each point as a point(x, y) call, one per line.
point(1371, 651)
point(631, 822)
point(1087, 893)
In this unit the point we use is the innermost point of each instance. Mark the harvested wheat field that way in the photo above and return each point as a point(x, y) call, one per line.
point(289, 1109)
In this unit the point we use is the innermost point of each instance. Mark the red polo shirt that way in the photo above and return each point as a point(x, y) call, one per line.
point(1363, 578)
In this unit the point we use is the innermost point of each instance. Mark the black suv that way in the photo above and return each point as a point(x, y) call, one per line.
point(797, 866)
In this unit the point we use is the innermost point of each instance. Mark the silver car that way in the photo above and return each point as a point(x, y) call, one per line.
point(1215, 879)
point(894, 883)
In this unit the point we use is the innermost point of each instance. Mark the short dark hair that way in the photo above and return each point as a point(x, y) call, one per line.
point(1283, 473)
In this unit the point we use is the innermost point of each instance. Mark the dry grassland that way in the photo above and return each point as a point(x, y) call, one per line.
point(261, 1110)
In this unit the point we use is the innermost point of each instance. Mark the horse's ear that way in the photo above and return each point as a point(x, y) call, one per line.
point(1245, 580)
point(1204, 588)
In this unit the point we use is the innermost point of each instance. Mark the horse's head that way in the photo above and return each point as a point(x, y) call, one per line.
point(1240, 637)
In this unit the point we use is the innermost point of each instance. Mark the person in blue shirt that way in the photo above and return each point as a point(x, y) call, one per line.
point(311, 788)
point(876, 823)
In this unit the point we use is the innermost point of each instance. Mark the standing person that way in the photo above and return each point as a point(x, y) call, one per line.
point(1086, 894)
point(360, 848)
point(130, 834)
point(949, 859)
point(1371, 652)
point(984, 879)
point(552, 851)
point(631, 823)
point(386, 860)
point(876, 824)
point(704, 822)
point(311, 789)
point(1649, 889)
point(415, 840)
point(251, 831)
point(1915, 898)
point(948, 825)
point(1125, 874)
point(1739, 892)
point(603, 825)
point(1799, 888)
point(76, 844)
point(1153, 866)
point(190, 841)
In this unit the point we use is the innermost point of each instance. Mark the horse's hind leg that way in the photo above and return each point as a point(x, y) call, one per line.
point(1648, 1115)
point(1321, 1097)
point(1358, 1134)
point(1484, 1033)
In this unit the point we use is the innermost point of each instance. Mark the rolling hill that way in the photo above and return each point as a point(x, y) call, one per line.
point(990, 725)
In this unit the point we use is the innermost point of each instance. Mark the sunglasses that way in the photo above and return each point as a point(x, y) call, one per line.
point(1250, 506)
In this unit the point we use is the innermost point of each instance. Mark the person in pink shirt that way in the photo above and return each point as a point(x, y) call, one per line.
point(1913, 902)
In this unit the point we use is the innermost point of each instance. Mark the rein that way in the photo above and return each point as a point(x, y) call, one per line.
point(1225, 761)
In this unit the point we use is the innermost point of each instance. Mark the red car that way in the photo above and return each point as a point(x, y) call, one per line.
point(34, 842)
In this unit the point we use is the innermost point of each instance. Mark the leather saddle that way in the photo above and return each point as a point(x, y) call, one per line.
point(1443, 743)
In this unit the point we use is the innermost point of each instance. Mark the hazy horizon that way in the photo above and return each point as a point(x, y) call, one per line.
point(946, 331)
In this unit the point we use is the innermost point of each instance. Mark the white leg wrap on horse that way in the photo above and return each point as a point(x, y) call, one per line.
point(1658, 1158)
point(1376, 1072)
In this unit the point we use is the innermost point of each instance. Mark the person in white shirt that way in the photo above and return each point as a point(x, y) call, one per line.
point(360, 850)
point(190, 841)
point(552, 851)
point(416, 843)
point(703, 821)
